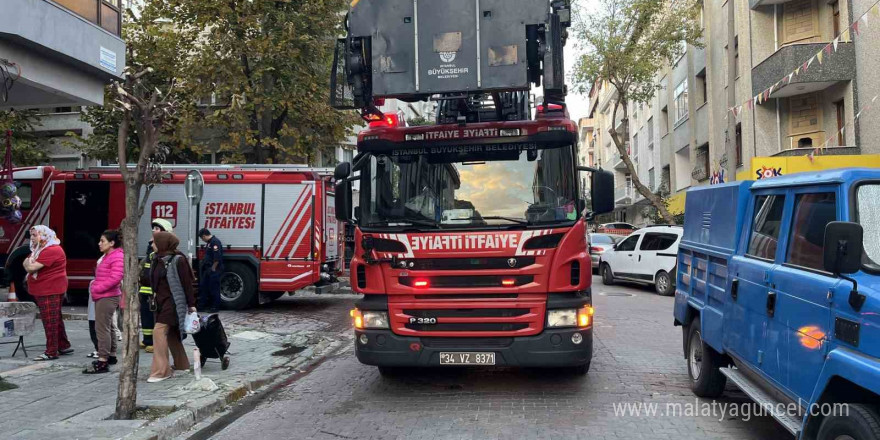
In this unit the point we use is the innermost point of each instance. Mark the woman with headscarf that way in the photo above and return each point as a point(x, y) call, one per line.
point(46, 268)
point(171, 279)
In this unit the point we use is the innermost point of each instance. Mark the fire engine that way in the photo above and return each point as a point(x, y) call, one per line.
point(277, 223)
point(470, 236)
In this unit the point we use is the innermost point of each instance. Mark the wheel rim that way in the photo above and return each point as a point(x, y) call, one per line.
point(695, 359)
point(662, 282)
point(231, 286)
point(606, 272)
point(843, 437)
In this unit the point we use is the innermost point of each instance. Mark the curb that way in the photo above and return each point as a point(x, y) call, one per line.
point(199, 410)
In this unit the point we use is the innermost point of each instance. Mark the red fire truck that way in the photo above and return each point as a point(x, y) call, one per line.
point(277, 223)
point(470, 240)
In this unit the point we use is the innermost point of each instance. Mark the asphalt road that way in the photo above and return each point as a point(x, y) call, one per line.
point(637, 366)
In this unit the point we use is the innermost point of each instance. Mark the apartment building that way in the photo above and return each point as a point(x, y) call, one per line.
point(60, 54)
point(679, 138)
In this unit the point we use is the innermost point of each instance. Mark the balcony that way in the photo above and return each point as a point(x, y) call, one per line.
point(817, 77)
point(617, 162)
point(67, 50)
point(623, 195)
point(754, 4)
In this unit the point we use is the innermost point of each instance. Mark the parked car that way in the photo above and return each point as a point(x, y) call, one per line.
point(599, 243)
point(618, 228)
point(645, 256)
point(779, 293)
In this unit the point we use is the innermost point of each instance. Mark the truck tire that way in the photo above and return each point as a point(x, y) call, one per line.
point(390, 372)
point(663, 284)
point(704, 364)
point(862, 423)
point(238, 286)
point(607, 275)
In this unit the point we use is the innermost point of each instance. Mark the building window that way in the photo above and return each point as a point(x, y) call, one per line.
point(651, 179)
point(800, 22)
point(702, 90)
point(664, 122)
point(635, 148)
point(835, 17)
point(650, 132)
point(681, 101)
point(736, 55)
point(739, 145)
point(665, 179)
point(701, 166)
point(841, 122)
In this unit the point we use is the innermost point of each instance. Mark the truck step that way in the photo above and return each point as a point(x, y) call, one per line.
point(765, 400)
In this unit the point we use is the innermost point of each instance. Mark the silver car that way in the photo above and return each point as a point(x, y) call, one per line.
point(598, 244)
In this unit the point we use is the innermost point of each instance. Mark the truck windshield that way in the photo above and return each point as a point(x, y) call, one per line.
point(869, 217)
point(458, 188)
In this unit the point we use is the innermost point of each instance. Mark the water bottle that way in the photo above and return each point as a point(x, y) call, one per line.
point(197, 367)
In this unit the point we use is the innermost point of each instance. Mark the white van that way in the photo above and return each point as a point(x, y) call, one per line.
point(645, 256)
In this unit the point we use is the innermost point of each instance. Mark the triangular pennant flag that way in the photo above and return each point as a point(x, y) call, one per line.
point(810, 62)
point(865, 18)
point(874, 98)
point(790, 76)
point(798, 70)
point(819, 56)
point(844, 36)
point(876, 10)
point(837, 40)
point(828, 47)
point(770, 90)
point(760, 98)
point(739, 110)
point(750, 104)
point(855, 27)
point(858, 114)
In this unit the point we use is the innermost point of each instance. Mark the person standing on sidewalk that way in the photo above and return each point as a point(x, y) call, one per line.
point(46, 268)
point(210, 271)
point(106, 292)
point(148, 303)
point(171, 279)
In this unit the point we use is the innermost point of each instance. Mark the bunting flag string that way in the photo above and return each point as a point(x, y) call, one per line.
point(822, 56)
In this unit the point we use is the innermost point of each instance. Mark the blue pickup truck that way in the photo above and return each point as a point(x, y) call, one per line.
point(778, 292)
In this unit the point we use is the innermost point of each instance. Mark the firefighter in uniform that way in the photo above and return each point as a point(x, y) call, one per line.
point(210, 271)
point(148, 320)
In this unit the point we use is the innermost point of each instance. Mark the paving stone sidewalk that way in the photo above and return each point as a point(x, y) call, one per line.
point(54, 399)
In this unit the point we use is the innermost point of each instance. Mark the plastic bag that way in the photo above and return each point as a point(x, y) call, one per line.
point(192, 324)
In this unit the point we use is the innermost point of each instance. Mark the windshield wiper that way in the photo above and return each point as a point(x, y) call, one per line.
point(416, 221)
point(496, 217)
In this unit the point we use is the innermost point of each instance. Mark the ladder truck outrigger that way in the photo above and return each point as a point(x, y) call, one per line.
point(470, 234)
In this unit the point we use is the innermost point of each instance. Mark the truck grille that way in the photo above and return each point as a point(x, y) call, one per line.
point(482, 263)
point(483, 318)
point(467, 343)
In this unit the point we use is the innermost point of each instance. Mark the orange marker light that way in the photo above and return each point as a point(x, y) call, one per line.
point(584, 316)
point(508, 282)
point(358, 318)
point(422, 284)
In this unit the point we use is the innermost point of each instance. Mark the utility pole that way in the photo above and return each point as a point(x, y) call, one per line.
point(729, 165)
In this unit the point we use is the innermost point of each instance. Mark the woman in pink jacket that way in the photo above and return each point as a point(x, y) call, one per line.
point(105, 291)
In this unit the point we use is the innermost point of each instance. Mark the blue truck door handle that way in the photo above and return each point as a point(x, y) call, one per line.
point(734, 288)
point(771, 303)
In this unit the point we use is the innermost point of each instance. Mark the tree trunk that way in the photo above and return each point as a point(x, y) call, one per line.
point(621, 148)
point(126, 399)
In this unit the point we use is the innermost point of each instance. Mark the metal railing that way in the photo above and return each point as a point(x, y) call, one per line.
point(623, 192)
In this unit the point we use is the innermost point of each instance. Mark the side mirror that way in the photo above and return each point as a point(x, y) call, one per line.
point(342, 171)
point(602, 191)
point(843, 247)
point(343, 199)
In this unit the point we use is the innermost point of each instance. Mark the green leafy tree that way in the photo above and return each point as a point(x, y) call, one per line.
point(264, 66)
point(626, 42)
point(26, 148)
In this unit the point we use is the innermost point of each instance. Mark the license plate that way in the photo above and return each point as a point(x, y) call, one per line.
point(467, 358)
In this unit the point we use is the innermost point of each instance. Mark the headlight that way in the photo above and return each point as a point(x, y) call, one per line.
point(562, 318)
point(375, 319)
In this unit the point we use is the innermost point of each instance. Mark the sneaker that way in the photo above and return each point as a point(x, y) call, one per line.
point(149, 349)
point(119, 338)
point(45, 357)
point(152, 379)
point(93, 355)
point(97, 367)
point(142, 345)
